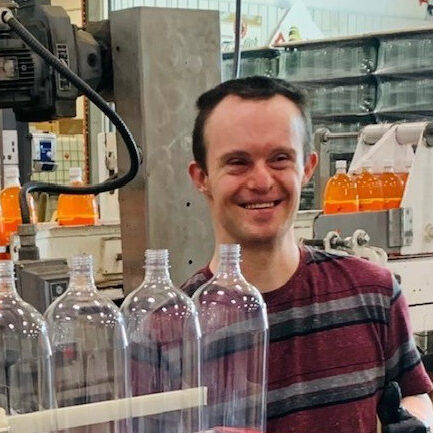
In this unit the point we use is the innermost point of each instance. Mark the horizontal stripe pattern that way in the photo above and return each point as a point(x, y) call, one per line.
point(405, 357)
point(331, 297)
point(363, 308)
point(325, 391)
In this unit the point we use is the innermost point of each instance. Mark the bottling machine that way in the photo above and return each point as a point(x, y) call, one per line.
point(404, 234)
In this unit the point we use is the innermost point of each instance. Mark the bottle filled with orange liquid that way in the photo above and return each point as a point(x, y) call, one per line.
point(341, 194)
point(403, 175)
point(392, 187)
point(10, 204)
point(74, 210)
point(369, 190)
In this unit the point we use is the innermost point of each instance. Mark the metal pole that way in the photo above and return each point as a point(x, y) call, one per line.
point(328, 135)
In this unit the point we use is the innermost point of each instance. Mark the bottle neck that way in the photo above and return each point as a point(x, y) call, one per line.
point(7, 286)
point(229, 266)
point(341, 171)
point(157, 274)
point(75, 179)
point(11, 182)
point(82, 280)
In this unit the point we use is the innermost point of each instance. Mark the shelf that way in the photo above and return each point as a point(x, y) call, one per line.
point(404, 74)
point(346, 118)
point(335, 81)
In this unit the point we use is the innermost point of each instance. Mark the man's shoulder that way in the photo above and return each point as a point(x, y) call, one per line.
point(359, 271)
point(196, 280)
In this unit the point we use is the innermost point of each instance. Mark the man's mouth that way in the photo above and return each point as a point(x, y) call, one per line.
point(264, 205)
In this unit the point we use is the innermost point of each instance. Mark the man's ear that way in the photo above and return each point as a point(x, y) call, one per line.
point(198, 177)
point(309, 167)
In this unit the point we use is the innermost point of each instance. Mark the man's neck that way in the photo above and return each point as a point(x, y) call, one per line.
point(267, 266)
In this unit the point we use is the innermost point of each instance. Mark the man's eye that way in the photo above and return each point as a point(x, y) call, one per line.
point(236, 161)
point(281, 157)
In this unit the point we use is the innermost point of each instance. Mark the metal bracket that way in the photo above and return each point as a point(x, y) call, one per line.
point(400, 227)
point(407, 226)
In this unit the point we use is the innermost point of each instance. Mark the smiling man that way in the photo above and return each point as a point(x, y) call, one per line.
point(339, 326)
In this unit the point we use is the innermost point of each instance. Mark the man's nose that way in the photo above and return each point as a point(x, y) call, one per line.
point(260, 179)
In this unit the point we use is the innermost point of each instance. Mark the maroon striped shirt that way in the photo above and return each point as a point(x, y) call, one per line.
point(339, 329)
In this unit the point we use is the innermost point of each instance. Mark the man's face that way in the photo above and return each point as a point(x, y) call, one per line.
point(255, 168)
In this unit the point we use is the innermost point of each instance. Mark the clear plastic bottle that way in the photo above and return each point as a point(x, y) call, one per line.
point(369, 190)
point(10, 204)
point(392, 187)
point(26, 376)
point(90, 348)
point(73, 210)
point(164, 335)
point(341, 193)
point(234, 327)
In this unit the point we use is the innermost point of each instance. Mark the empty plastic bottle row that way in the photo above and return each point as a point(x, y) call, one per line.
point(405, 94)
point(406, 54)
point(337, 59)
point(325, 62)
point(71, 210)
point(87, 350)
point(266, 65)
point(357, 98)
point(364, 191)
point(301, 64)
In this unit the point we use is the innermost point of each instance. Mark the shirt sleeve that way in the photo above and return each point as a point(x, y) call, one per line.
point(403, 361)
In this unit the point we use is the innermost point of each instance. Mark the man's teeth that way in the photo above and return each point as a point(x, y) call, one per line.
point(260, 205)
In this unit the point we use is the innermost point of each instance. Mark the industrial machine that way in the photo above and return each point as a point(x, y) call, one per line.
point(35, 91)
point(405, 234)
point(37, 42)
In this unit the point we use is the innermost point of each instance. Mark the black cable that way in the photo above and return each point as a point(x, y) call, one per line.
point(238, 31)
point(109, 184)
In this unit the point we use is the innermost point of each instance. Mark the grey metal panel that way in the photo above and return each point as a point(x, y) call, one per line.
point(163, 59)
point(389, 230)
point(39, 282)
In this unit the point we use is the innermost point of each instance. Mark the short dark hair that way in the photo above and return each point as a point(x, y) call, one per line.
point(258, 88)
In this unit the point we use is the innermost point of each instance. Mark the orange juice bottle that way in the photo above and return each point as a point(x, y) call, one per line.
point(10, 204)
point(392, 187)
point(74, 210)
point(341, 194)
point(369, 190)
point(403, 175)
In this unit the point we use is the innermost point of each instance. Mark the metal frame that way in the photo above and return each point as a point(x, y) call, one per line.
point(321, 140)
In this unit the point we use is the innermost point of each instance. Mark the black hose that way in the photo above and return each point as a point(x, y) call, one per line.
point(109, 184)
point(238, 31)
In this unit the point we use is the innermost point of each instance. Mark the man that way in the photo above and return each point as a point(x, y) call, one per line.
point(338, 325)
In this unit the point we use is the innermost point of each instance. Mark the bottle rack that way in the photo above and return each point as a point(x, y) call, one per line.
point(102, 412)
